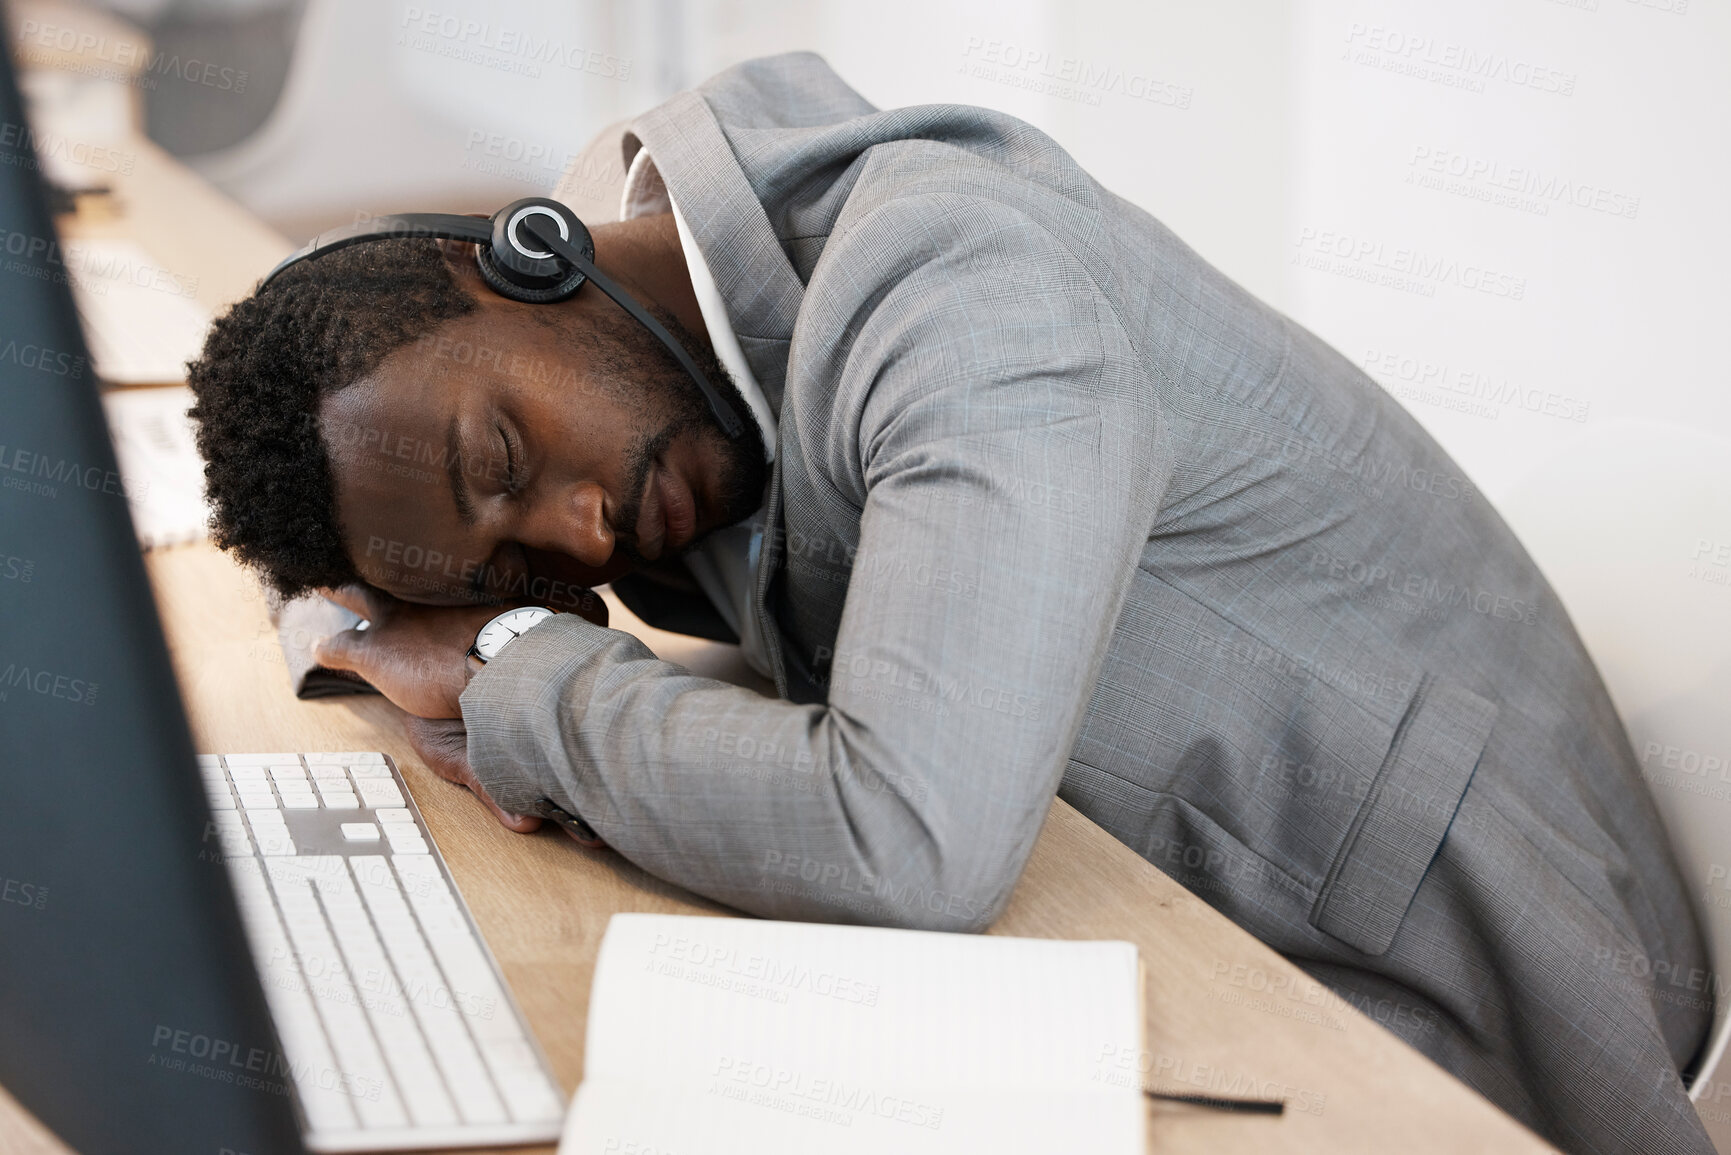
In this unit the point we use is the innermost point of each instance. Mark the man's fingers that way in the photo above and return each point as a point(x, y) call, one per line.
point(592, 843)
point(338, 652)
point(443, 744)
point(521, 823)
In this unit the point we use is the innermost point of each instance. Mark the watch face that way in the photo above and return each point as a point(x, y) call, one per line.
point(501, 630)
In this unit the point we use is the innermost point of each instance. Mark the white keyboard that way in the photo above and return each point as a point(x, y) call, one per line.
point(398, 1031)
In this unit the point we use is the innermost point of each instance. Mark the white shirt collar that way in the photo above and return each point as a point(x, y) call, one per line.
point(645, 193)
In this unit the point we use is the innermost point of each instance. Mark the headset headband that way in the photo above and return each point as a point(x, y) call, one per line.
point(396, 225)
point(520, 270)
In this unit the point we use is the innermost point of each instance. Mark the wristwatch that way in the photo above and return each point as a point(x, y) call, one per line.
point(503, 630)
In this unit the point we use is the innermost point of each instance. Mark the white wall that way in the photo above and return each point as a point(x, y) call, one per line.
point(1180, 106)
point(1593, 191)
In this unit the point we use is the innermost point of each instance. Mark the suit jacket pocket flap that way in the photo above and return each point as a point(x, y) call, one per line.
point(1402, 820)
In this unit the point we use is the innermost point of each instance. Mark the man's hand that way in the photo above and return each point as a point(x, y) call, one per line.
point(417, 656)
point(443, 744)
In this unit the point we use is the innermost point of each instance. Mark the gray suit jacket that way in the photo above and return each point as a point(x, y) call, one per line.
point(1058, 507)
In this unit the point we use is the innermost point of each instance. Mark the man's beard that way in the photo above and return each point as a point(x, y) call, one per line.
point(635, 369)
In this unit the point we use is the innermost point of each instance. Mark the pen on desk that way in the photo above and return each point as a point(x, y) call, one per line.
point(1247, 1106)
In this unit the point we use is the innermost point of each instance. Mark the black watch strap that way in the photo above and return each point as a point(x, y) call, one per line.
point(547, 808)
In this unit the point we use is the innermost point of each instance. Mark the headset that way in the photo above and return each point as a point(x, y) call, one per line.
point(534, 250)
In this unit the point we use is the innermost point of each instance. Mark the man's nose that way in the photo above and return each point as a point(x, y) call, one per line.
point(573, 522)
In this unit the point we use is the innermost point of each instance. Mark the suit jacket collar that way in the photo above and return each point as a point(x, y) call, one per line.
point(751, 270)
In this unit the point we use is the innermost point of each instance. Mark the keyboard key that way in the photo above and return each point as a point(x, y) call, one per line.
point(299, 800)
point(207, 761)
point(274, 843)
point(394, 816)
point(248, 774)
point(375, 793)
point(220, 799)
point(258, 801)
point(340, 801)
point(415, 845)
point(360, 832)
point(234, 760)
point(364, 770)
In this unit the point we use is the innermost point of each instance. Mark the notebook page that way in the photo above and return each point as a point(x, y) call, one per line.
point(733, 1034)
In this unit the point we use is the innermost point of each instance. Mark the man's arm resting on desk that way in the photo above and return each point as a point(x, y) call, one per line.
point(913, 795)
point(418, 657)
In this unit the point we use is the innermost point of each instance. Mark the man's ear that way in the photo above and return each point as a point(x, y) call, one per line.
point(460, 258)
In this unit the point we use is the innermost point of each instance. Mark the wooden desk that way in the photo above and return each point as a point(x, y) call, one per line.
point(543, 902)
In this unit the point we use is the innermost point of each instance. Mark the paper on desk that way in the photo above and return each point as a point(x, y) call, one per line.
point(141, 319)
point(724, 1035)
point(162, 472)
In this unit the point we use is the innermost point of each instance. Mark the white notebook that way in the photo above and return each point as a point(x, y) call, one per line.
point(735, 1035)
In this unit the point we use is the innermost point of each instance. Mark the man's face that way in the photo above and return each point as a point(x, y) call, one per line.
point(522, 452)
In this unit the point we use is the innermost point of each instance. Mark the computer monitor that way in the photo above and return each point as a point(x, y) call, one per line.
point(131, 1016)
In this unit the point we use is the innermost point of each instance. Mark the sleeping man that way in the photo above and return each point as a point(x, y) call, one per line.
point(1021, 498)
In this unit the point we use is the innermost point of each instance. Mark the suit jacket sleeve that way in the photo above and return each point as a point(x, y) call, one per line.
point(1001, 445)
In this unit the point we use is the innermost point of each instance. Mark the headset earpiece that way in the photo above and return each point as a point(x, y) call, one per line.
point(516, 265)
